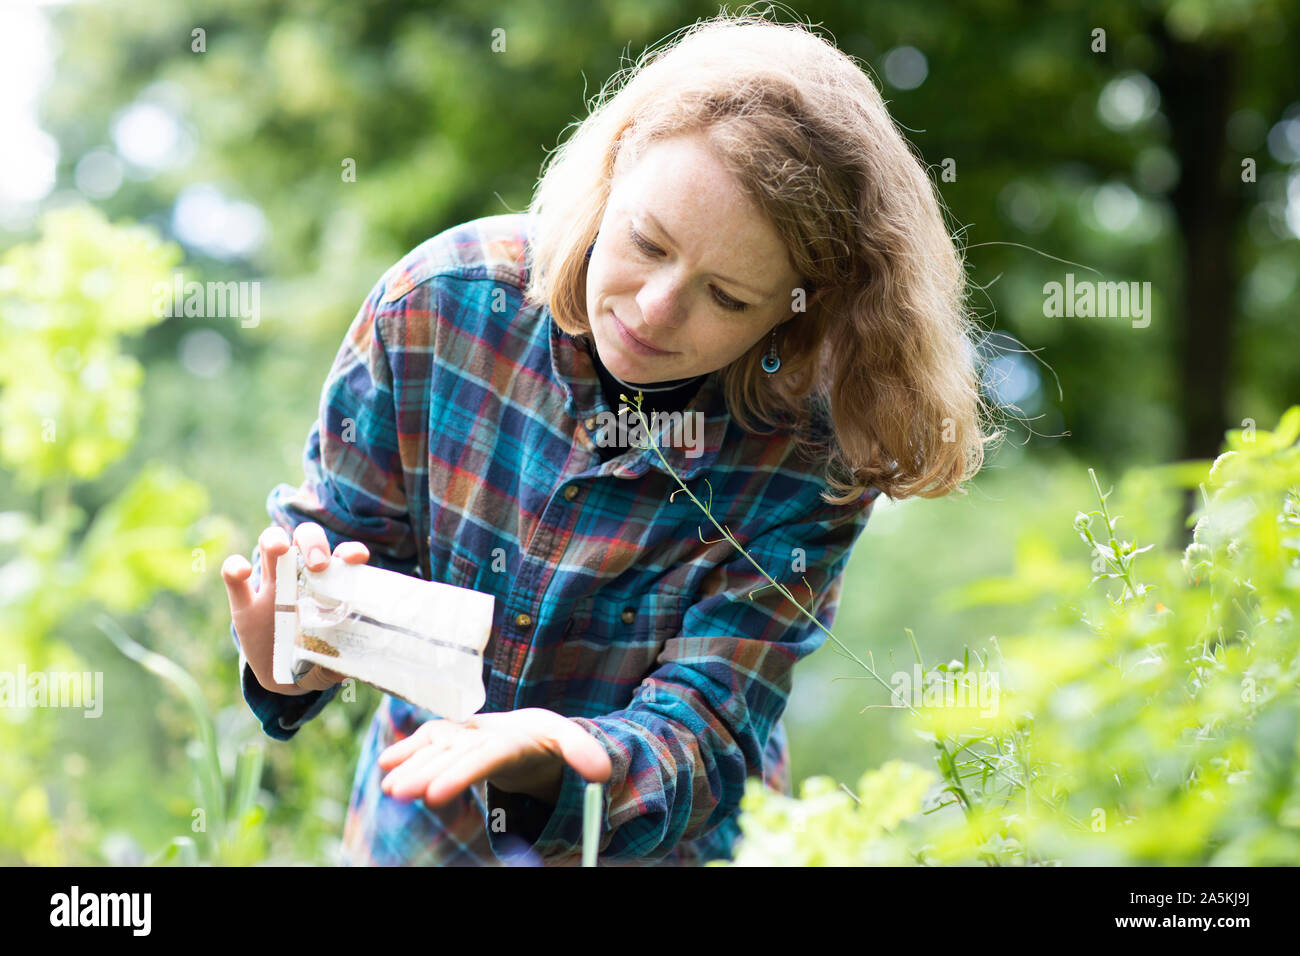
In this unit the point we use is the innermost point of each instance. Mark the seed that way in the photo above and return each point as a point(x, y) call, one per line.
point(312, 643)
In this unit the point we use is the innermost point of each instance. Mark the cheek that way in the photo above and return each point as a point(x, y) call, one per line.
point(609, 270)
point(730, 346)
point(597, 287)
point(610, 279)
point(597, 274)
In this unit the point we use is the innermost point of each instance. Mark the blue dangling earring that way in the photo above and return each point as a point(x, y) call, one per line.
point(772, 361)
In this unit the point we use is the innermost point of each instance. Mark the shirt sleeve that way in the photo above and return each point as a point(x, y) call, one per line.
point(354, 483)
point(700, 722)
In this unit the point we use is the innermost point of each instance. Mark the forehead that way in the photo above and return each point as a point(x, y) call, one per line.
point(682, 184)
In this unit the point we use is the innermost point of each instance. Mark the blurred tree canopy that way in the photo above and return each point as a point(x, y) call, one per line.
point(1109, 135)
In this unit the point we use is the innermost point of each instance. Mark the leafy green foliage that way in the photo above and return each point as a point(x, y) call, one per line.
point(1158, 722)
point(68, 410)
point(828, 826)
point(68, 393)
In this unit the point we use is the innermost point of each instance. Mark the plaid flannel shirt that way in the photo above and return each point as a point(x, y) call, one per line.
point(469, 459)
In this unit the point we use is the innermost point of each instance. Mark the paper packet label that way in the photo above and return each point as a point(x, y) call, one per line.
point(422, 641)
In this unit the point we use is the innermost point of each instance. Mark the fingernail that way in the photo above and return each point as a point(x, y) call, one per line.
point(316, 556)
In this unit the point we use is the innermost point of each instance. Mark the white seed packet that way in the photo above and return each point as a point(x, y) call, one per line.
point(418, 640)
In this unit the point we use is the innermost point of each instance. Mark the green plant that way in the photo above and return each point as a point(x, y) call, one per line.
point(78, 537)
point(1157, 724)
point(231, 831)
point(830, 825)
point(1153, 723)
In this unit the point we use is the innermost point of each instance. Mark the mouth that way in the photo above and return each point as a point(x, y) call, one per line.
point(633, 340)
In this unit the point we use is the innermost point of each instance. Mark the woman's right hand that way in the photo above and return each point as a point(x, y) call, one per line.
point(253, 613)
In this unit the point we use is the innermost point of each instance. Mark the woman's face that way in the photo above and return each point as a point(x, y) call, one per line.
point(680, 249)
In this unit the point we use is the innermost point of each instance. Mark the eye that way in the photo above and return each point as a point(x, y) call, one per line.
point(639, 241)
point(727, 302)
point(724, 300)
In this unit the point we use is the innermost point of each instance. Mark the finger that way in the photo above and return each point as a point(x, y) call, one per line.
point(396, 752)
point(583, 752)
point(235, 572)
point(320, 678)
point(459, 768)
point(272, 543)
point(311, 541)
point(430, 733)
point(352, 552)
point(408, 781)
point(412, 779)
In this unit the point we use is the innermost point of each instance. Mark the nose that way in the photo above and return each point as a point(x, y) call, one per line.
point(662, 300)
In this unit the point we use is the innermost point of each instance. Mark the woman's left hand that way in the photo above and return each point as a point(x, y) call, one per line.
point(519, 751)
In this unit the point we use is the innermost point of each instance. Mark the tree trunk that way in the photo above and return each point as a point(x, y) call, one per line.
point(1196, 87)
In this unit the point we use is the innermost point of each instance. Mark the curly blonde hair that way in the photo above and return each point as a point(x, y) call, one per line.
point(886, 346)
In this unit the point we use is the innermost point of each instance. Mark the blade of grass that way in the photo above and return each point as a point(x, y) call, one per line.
point(169, 670)
point(248, 774)
point(181, 851)
point(209, 798)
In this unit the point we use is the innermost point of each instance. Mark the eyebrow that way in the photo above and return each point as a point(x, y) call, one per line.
point(660, 226)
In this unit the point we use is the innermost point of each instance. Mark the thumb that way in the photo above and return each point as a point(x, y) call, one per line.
point(584, 753)
point(320, 678)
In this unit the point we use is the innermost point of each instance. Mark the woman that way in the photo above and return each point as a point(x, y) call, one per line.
point(739, 234)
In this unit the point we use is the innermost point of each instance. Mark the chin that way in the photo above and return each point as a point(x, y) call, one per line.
point(628, 365)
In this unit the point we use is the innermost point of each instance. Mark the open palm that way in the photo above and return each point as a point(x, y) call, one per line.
point(518, 751)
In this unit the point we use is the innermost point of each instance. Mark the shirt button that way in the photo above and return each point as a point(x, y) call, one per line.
point(523, 620)
point(629, 615)
point(571, 492)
